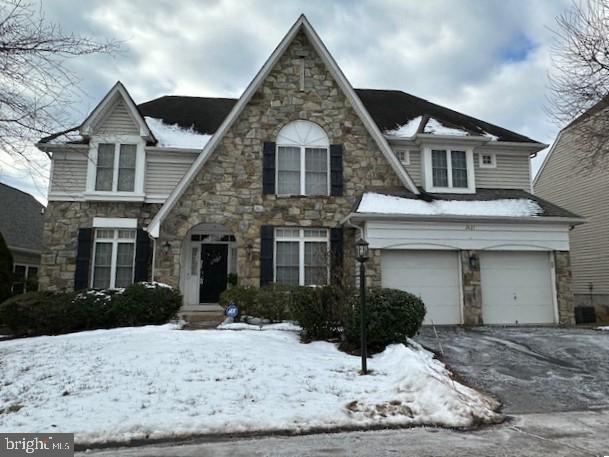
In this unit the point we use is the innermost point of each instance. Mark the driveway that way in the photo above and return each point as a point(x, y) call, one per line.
point(530, 369)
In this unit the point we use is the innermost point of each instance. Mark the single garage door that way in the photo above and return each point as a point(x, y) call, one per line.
point(431, 275)
point(516, 288)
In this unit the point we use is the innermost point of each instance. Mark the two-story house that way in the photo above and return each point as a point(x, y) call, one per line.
point(278, 185)
point(574, 175)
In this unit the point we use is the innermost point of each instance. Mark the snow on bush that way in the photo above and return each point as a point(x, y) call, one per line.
point(159, 382)
point(388, 204)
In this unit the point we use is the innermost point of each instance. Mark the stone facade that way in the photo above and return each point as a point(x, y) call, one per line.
point(564, 294)
point(471, 287)
point(228, 189)
point(61, 223)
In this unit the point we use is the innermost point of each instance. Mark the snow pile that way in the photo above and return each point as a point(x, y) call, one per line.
point(388, 204)
point(174, 136)
point(407, 130)
point(156, 381)
point(281, 326)
point(434, 127)
point(603, 328)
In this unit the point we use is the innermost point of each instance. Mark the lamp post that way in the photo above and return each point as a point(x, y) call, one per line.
point(362, 257)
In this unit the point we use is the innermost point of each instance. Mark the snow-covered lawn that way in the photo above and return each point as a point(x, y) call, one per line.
point(159, 381)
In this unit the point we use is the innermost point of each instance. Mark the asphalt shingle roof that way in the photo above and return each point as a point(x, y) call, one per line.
point(21, 219)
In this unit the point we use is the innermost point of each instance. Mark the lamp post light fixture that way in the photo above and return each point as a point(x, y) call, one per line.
point(166, 248)
point(362, 257)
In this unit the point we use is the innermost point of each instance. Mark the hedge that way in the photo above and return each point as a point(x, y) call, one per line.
point(53, 313)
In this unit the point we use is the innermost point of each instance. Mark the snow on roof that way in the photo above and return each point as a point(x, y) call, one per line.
point(433, 127)
point(174, 136)
point(388, 204)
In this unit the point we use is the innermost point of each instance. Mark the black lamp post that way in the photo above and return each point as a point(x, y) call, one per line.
point(362, 257)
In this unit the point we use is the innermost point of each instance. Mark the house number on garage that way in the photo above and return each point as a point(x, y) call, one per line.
point(470, 227)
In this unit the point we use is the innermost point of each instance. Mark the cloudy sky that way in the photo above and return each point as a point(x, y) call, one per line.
point(486, 58)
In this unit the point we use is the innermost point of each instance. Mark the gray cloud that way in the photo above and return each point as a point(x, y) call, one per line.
point(488, 59)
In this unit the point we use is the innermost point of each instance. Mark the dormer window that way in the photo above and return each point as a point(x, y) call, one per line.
point(449, 170)
point(115, 169)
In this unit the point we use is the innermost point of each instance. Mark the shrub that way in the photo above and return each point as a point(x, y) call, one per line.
point(269, 302)
point(393, 316)
point(144, 304)
point(6, 270)
point(51, 313)
point(243, 296)
point(319, 311)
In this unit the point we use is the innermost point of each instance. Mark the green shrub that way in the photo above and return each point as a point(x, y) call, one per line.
point(319, 311)
point(243, 296)
point(52, 313)
point(393, 316)
point(6, 270)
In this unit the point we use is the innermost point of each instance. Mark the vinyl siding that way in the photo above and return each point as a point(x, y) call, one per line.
point(582, 190)
point(69, 172)
point(414, 168)
point(163, 173)
point(512, 172)
point(118, 121)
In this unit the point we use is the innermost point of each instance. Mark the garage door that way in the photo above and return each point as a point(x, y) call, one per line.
point(516, 288)
point(431, 275)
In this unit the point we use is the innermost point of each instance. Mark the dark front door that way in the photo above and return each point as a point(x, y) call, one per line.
point(214, 258)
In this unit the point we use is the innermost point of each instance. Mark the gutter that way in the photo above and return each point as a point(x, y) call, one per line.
point(455, 218)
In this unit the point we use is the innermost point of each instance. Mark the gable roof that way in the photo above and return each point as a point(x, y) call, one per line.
point(118, 90)
point(388, 108)
point(21, 219)
point(301, 24)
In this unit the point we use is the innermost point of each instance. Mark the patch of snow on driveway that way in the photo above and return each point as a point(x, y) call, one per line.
point(160, 382)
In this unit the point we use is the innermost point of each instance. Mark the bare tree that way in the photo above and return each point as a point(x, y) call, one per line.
point(579, 78)
point(37, 88)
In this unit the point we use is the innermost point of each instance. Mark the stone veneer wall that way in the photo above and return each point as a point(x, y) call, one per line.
point(564, 294)
point(228, 190)
point(61, 223)
point(472, 290)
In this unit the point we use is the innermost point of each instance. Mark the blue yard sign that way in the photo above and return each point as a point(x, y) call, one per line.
point(232, 310)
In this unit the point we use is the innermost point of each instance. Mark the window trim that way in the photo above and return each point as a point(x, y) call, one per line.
point(428, 170)
point(493, 157)
point(140, 163)
point(26, 276)
point(115, 240)
point(301, 239)
point(303, 171)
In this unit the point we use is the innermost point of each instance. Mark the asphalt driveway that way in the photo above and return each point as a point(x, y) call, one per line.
point(530, 369)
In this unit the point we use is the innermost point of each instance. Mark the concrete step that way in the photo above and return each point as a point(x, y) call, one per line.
point(207, 318)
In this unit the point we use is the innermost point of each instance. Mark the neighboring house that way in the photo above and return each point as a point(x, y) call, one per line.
point(21, 219)
point(276, 185)
point(570, 178)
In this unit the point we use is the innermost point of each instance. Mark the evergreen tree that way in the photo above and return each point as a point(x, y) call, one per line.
point(6, 270)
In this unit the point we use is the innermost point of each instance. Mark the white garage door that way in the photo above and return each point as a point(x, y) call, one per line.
point(431, 275)
point(516, 288)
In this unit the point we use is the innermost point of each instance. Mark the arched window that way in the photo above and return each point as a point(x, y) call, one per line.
point(302, 160)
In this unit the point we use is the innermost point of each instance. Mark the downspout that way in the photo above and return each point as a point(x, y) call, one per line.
point(153, 259)
point(347, 221)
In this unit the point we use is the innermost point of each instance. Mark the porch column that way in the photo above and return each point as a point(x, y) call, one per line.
point(472, 291)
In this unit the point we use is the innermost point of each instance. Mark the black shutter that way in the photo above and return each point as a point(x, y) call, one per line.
point(142, 256)
point(336, 254)
point(336, 170)
point(267, 234)
point(83, 258)
point(268, 168)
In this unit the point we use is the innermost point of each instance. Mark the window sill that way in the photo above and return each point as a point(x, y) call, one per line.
point(450, 190)
point(114, 196)
point(285, 196)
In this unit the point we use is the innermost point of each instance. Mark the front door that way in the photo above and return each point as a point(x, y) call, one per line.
point(214, 263)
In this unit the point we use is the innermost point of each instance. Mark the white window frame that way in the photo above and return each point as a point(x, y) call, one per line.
point(301, 239)
point(26, 276)
point(493, 157)
point(428, 170)
point(405, 160)
point(115, 240)
point(140, 162)
point(303, 171)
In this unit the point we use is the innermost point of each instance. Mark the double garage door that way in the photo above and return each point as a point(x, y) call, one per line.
point(516, 286)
